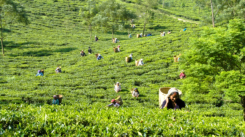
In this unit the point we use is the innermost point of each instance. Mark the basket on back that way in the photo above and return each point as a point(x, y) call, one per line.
point(163, 92)
point(132, 90)
point(175, 59)
point(115, 49)
point(127, 59)
point(119, 100)
point(96, 55)
point(136, 63)
point(138, 35)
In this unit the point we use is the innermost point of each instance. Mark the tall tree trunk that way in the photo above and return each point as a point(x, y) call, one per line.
point(112, 32)
point(243, 105)
point(2, 34)
point(90, 31)
point(212, 12)
point(68, 5)
point(144, 29)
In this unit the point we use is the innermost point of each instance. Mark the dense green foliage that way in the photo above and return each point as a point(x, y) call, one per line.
point(56, 36)
point(217, 54)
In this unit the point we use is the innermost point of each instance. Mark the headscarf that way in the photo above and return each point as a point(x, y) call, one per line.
point(113, 100)
point(173, 90)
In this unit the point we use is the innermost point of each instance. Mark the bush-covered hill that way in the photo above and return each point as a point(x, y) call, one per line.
point(56, 36)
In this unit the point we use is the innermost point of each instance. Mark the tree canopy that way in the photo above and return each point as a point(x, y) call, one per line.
point(9, 9)
point(217, 53)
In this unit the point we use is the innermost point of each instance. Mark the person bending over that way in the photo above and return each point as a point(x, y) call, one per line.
point(99, 57)
point(113, 103)
point(55, 100)
point(89, 50)
point(82, 53)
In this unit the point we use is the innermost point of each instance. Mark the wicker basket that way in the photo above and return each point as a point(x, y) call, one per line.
point(96, 55)
point(136, 63)
point(115, 49)
point(127, 59)
point(138, 35)
point(175, 59)
point(132, 90)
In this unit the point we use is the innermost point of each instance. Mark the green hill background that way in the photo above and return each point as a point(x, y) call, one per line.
point(56, 36)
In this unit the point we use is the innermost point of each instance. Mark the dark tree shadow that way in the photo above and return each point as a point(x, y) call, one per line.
point(158, 27)
point(41, 53)
point(10, 44)
point(65, 49)
point(125, 90)
point(6, 30)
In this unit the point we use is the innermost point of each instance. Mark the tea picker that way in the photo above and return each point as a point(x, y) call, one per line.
point(58, 69)
point(96, 38)
point(182, 75)
point(135, 92)
point(116, 102)
point(130, 58)
point(89, 50)
point(99, 57)
point(82, 53)
point(57, 99)
point(173, 100)
point(117, 87)
point(40, 73)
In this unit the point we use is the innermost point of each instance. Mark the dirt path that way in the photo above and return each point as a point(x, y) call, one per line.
point(184, 20)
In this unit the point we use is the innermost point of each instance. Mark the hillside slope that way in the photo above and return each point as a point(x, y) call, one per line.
point(55, 37)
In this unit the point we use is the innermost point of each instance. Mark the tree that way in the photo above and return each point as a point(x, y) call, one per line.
point(88, 13)
point(223, 10)
point(200, 4)
point(212, 9)
point(127, 18)
point(10, 9)
point(146, 17)
point(215, 61)
point(111, 15)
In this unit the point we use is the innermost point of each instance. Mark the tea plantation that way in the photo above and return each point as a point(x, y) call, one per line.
point(56, 36)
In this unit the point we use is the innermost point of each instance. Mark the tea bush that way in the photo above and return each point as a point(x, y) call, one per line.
point(55, 37)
